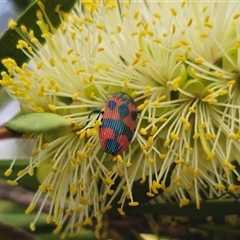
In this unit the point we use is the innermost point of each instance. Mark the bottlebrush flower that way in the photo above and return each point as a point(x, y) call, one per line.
point(180, 63)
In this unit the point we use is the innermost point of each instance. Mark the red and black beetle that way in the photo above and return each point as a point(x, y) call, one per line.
point(118, 123)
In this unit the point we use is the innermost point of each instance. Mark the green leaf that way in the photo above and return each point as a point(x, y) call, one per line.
point(22, 220)
point(208, 208)
point(9, 39)
point(37, 123)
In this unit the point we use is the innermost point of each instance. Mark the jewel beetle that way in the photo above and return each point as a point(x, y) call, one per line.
point(118, 123)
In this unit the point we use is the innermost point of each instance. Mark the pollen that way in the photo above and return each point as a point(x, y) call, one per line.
point(128, 164)
point(135, 61)
point(177, 179)
point(110, 192)
point(121, 212)
point(133, 204)
point(80, 70)
point(150, 194)
point(35, 153)
point(75, 96)
point(179, 161)
point(52, 107)
point(174, 12)
point(53, 169)
point(166, 143)
point(143, 131)
point(199, 60)
point(161, 119)
point(12, 24)
point(52, 62)
point(119, 158)
point(154, 130)
point(30, 208)
point(42, 189)
point(148, 90)
point(143, 180)
point(45, 35)
point(126, 85)
point(101, 49)
point(184, 42)
point(31, 171)
point(212, 101)
point(99, 26)
point(12, 183)
point(236, 16)
point(23, 43)
point(210, 156)
point(37, 165)
point(157, 15)
point(134, 34)
point(57, 229)
point(178, 45)
point(180, 59)
point(23, 29)
point(204, 35)
point(157, 40)
point(208, 25)
point(162, 156)
point(175, 83)
point(219, 186)
point(183, 202)
point(108, 181)
point(191, 109)
point(174, 136)
point(190, 149)
point(231, 83)
point(40, 64)
point(222, 92)
point(8, 172)
point(136, 15)
point(231, 188)
point(82, 135)
point(32, 227)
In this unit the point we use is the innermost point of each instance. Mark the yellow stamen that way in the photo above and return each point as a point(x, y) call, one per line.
point(12, 183)
point(30, 208)
point(8, 172)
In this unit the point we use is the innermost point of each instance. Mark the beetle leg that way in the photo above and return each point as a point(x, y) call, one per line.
point(97, 111)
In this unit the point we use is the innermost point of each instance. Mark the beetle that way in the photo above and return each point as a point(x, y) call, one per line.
point(118, 123)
